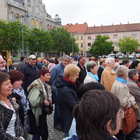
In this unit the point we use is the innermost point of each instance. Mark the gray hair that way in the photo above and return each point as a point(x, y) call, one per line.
point(132, 72)
point(122, 70)
point(109, 60)
point(1, 56)
point(65, 57)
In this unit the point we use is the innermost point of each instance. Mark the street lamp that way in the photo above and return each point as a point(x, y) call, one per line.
point(22, 17)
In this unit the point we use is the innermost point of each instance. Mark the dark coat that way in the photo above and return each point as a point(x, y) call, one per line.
point(82, 75)
point(67, 99)
point(5, 117)
point(30, 74)
point(99, 72)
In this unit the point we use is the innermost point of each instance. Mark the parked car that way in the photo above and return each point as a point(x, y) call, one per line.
point(131, 56)
point(138, 55)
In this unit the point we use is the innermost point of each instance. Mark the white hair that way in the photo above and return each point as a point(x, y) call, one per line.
point(109, 60)
point(1, 56)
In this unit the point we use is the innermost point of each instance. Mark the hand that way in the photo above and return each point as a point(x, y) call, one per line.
point(46, 102)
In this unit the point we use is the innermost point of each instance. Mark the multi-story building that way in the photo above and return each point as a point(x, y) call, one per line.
point(78, 31)
point(115, 32)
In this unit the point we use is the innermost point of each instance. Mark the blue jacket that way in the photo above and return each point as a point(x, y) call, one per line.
point(67, 99)
point(57, 70)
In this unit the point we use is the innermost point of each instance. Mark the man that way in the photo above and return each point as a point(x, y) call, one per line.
point(83, 73)
point(57, 70)
point(108, 75)
point(101, 68)
point(2, 64)
point(21, 64)
point(30, 72)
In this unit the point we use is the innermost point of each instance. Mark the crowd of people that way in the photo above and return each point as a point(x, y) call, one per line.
point(89, 99)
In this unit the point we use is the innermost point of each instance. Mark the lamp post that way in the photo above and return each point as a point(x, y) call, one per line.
point(72, 44)
point(22, 30)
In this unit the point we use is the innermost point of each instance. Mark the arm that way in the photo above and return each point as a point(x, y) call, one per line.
point(53, 75)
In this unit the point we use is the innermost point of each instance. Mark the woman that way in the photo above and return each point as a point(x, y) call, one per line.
point(10, 127)
point(38, 97)
point(67, 96)
point(98, 116)
point(134, 88)
point(92, 73)
point(121, 90)
point(20, 98)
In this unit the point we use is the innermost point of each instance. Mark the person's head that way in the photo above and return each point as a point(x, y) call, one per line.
point(71, 72)
point(125, 62)
point(44, 75)
point(39, 60)
point(32, 60)
point(97, 115)
point(92, 67)
point(92, 58)
point(135, 65)
point(102, 62)
point(89, 86)
point(110, 62)
point(22, 58)
point(122, 72)
point(2, 63)
point(133, 74)
point(5, 85)
point(16, 78)
point(82, 60)
point(65, 60)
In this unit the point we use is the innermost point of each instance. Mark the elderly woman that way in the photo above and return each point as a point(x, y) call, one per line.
point(108, 75)
point(38, 97)
point(10, 127)
point(20, 98)
point(67, 96)
point(92, 73)
point(134, 88)
point(121, 90)
point(98, 116)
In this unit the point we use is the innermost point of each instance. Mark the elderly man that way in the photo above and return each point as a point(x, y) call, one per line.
point(108, 75)
point(2, 64)
point(30, 72)
point(56, 71)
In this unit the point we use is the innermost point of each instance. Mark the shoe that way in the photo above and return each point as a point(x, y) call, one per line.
point(58, 127)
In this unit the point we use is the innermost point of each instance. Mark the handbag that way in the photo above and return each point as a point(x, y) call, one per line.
point(129, 120)
point(48, 109)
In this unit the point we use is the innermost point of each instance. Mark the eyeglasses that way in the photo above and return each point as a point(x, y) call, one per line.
point(67, 61)
point(121, 114)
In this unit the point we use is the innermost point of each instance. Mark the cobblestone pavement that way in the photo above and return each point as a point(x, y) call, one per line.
point(54, 134)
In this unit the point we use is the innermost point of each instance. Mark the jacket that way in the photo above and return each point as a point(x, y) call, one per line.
point(67, 99)
point(135, 91)
point(122, 92)
point(30, 74)
point(88, 79)
point(5, 117)
point(99, 72)
point(108, 77)
point(56, 71)
point(36, 98)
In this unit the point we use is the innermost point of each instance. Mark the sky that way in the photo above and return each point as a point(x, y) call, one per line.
point(95, 12)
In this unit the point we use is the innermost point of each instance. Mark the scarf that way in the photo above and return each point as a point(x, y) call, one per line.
point(69, 80)
point(121, 80)
point(94, 76)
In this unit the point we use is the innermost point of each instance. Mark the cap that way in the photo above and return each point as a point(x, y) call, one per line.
point(32, 57)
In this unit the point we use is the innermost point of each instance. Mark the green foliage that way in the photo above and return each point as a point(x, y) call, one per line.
point(63, 41)
point(101, 45)
point(128, 44)
point(39, 40)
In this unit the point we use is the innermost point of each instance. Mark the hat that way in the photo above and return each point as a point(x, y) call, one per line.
point(32, 57)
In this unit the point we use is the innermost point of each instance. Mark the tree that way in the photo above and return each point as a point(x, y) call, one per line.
point(10, 35)
point(128, 44)
point(39, 40)
point(101, 45)
point(63, 41)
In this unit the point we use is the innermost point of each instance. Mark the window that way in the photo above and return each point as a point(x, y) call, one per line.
point(89, 44)
point(33, 22)
point(134, 35)
point(115, 43)
point(89, 37)
point(81, 44)
point(81, 37)
point(37, 23)
point(115, 36)
point(77, 38)
point(40, 24)
point(124, 35)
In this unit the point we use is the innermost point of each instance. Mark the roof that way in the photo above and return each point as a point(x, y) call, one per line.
point(113, 28)
point(76, 28)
